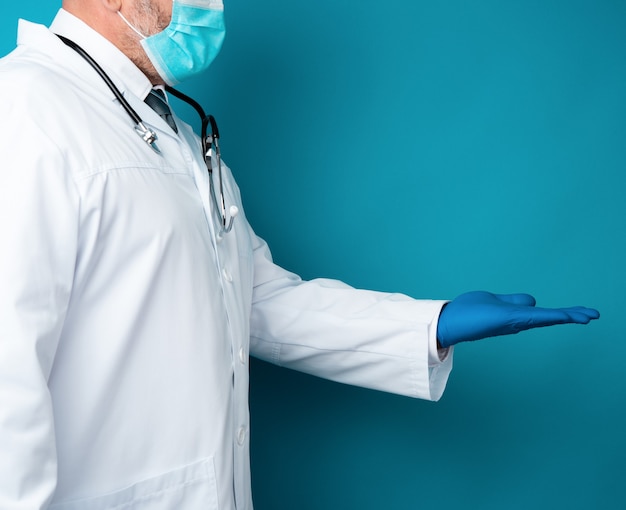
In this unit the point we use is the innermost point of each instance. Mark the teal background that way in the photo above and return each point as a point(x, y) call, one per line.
point(433, 148)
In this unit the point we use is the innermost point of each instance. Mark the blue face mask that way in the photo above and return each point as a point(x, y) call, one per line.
point(189, 43)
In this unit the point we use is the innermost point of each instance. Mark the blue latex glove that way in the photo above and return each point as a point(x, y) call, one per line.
point(479, 314)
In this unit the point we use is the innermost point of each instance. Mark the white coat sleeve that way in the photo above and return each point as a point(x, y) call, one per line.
point(38, 229)
point(329, 329)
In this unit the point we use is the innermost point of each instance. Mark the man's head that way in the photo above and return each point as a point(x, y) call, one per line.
point(149, 17)
point(169, 40)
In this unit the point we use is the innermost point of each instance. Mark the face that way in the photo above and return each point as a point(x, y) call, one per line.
point(149, 17)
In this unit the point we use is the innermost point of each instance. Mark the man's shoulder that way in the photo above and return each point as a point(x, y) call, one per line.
point(26, 69)
point(31, 80)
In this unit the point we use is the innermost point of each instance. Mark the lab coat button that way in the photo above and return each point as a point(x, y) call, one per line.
point(241, 436)
point(227, 276)
point(242, 356)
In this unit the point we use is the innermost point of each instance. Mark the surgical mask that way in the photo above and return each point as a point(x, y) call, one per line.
point(191, 41)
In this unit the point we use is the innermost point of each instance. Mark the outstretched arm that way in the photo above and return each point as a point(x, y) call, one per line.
point(480, 314)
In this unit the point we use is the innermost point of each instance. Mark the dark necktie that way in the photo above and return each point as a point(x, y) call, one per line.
point(156, 100)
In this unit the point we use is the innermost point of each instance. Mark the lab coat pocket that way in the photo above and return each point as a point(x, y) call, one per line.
point(187, 488)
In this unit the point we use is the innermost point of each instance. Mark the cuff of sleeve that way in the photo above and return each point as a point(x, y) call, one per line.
point(436, 355)
point(439, 361)
point(432, 365)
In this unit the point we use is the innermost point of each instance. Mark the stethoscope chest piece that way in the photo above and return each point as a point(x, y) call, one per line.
point(148, 136)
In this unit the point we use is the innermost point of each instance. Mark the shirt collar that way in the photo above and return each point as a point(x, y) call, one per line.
point(125, 74)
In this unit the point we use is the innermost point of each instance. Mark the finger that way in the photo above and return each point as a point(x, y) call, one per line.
point(582, 315)
point(541, 317)
point(592, 312)
point(517, 299)
point(579, 318)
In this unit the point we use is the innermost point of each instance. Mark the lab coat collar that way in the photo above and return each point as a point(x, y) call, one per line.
point(125, 74)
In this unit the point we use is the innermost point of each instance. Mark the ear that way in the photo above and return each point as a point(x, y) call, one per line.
point(112, 5)
point(89, 10)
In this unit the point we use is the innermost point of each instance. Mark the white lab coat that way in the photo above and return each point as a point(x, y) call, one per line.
point(126, 323)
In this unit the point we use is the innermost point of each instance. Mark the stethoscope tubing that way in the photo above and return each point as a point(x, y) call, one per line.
point(150, 137)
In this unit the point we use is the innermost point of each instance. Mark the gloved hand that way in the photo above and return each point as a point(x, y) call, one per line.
point(479, 314)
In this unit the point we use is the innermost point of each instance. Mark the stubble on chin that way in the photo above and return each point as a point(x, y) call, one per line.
point(149, 20)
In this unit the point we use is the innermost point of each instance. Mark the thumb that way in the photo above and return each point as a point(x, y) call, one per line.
point(517, 299)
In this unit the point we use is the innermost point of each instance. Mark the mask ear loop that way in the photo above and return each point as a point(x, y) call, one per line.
point(131, 26)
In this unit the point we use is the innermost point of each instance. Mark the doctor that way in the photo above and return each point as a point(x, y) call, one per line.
point(127, 312)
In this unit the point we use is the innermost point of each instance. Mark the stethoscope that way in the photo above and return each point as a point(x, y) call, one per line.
point(210, 142)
